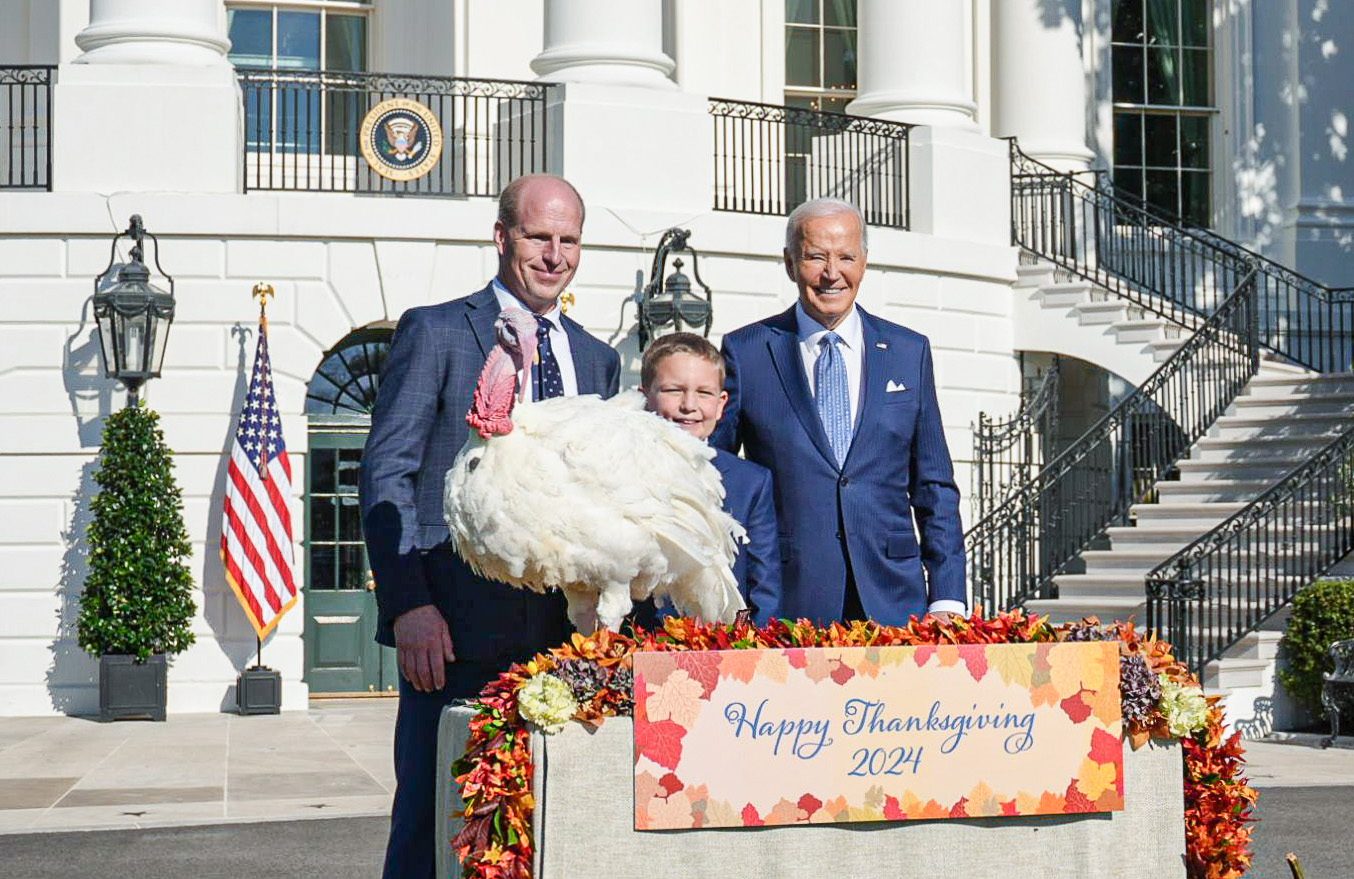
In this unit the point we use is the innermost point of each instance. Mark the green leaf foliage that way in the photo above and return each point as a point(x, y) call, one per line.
point(138, 597)
point(1323, 613)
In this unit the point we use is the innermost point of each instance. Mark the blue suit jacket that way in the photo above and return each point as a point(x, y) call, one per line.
point(897, 482)
point(750, 498)
point(417, 427)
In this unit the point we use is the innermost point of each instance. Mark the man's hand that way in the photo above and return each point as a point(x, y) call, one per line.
point(944, 616)
point(423, 647)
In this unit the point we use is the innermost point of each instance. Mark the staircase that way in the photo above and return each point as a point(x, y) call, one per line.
point(1284, 416)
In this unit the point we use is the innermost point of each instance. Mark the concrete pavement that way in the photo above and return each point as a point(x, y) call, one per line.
point(68, 773)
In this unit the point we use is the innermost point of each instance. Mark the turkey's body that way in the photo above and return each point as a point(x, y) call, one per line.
point(602, 500)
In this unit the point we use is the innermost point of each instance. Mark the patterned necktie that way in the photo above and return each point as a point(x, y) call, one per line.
point(833, 398)
point(546, 381)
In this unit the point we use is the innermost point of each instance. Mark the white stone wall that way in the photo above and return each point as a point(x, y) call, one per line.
point(338, 263)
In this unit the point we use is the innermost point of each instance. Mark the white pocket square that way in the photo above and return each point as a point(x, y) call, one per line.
point(893, 387)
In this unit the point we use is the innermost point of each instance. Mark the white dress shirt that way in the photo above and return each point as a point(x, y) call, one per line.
point(852, 348)
point(559, 343)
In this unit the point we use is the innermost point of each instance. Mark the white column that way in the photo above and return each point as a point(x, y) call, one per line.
point(913, 66)
point(611, 42)
point(182, 32)
point(1039, 80)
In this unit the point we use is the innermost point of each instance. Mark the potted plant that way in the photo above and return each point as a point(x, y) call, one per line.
point(137, 604)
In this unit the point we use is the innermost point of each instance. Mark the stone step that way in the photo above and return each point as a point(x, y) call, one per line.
point(1313, 384)
point(1139, 561)
point(1273, 469)
point(1137, 331)
point(1098, 313)
point(1236, 673)
point(1329, 424)
point(1163, 348)
point(1103, 584)
point(1203, 515)
point(1063, 295)
point(1074, 609)
point(1211, 490)
point(1284, 405)
point(1231, 448)
point(1034, 275)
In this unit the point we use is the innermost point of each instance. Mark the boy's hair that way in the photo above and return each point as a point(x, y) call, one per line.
point(678, 343)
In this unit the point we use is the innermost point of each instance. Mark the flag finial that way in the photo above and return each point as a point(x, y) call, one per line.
point(263, 292)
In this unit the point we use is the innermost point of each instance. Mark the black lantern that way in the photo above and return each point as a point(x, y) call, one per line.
point(670, 303)
point(133, 315)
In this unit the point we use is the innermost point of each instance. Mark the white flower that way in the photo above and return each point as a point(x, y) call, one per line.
point(546, 701)
point(1185, 709)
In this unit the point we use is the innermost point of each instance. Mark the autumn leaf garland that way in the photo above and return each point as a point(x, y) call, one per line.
point(495, 772)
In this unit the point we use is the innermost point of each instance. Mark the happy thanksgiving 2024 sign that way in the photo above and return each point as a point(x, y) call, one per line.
point(742, 738)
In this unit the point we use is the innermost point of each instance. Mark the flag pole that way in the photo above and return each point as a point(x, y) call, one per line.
point(263, 292)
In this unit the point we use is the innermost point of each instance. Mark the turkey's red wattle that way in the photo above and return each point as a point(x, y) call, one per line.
point(491, 411)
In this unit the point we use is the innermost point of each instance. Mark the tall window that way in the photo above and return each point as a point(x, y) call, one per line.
point(1163, 105)
point(297, 37)
point(820, 53)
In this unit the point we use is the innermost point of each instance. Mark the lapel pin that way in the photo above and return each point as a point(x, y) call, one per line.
point(883, 345)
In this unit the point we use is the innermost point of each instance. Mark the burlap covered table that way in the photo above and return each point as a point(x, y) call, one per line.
point(584, 823)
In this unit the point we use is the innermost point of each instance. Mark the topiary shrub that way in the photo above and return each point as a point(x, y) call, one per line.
point(1322, 614)
point(138, 597)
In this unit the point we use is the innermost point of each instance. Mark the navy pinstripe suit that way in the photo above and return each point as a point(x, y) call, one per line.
point(417, 428)
point(855, 521)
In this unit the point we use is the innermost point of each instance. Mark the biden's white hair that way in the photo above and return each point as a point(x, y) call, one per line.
point(822, 207)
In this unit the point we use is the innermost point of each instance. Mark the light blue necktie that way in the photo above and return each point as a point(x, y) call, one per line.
point(832, 395)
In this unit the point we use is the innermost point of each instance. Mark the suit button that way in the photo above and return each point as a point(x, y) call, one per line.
point(844, 481)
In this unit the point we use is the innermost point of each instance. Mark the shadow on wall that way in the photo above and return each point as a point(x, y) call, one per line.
point(73, 676)
point(89, 392)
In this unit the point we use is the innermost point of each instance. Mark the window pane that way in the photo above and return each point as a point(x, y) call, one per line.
point(1194, 76)
point(1163, 76)
point(352, 567)
point(839, 59)
point(251, 37)
point(298, 41)
point(1195, 15)
point(322, 470)
point(1159, 133)
point(1128, 182)
point(1194, 199)
point(1127, 139)
point(1162, 191)
point(1162, 28)
point(345, 42)
point(322, 524)
point(1128, 84)
point(839, 12)
point(801, 57)
point(322, 567)
point(349, 470)
point(831, 105)
point(1127, 26)
point(801, 11)
point(1194, 141)
point(350, 519)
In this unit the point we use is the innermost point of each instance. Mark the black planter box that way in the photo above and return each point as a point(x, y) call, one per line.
point(128, 688)
point(258, 690)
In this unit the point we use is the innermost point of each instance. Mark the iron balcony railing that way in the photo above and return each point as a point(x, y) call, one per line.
point(1015, 551)
point(1010, 453)
point(26, 126)
point(302, 129)
point(1179, 273)
point(1210, 594)
point(771, 159)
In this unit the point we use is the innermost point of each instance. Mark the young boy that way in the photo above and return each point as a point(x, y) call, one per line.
point(682, 379)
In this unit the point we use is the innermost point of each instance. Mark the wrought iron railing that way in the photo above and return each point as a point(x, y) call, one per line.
point(771, 159)
point(1009, 454)
point(26, 126)
point(1015, 551)
point(302, 129)
point(1179, 273)
point(1210, 594)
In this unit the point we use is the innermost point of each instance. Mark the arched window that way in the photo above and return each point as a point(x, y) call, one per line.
point(349, 374)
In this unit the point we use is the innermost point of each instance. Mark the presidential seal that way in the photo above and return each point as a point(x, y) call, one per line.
point(401, 139)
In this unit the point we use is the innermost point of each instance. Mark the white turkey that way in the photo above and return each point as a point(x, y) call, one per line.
point(598, 498)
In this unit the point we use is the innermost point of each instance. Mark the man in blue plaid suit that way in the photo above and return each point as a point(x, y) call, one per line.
point(453, 631)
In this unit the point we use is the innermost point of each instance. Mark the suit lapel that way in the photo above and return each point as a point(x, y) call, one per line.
point(481, 314)
point(874, 365)
point(785, 356)
point(587, 369)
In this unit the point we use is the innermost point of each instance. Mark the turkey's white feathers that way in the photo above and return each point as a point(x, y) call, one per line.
point(602, 500)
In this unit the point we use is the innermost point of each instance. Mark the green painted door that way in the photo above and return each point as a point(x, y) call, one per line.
point(341, 653)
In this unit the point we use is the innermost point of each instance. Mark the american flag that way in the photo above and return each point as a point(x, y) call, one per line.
point(256, 535)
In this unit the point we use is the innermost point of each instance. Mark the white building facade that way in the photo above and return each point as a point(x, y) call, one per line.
point(212, 120)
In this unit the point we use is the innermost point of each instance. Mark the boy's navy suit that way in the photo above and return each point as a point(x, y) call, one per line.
point(417, 427)
point(888, 512)
point(750, 498)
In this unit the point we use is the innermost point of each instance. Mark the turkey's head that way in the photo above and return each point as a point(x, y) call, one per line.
point(491, 410)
